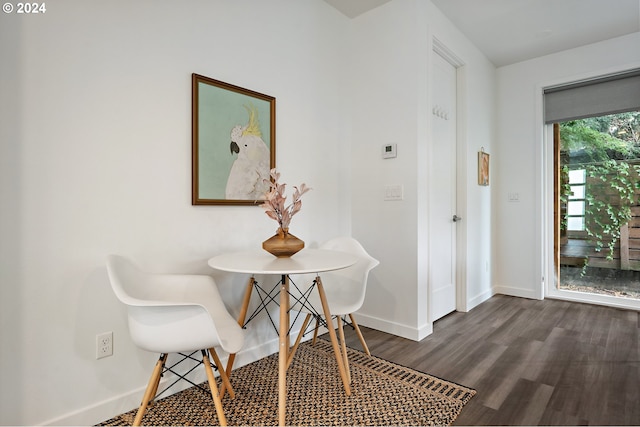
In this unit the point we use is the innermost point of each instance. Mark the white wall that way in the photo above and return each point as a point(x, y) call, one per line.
point(392, 53)
point(95, 156)
point(519, 231)
point(96, 159)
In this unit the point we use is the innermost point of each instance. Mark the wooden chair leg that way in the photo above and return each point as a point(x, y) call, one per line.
point(151, 400)
point(214, 388)
point(223, 375)
point(315, 331)
point(298, 339)
point(362, 341)
point(152, 387)
point(345, 359)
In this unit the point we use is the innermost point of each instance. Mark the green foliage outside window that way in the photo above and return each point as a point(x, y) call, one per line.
point(608, 148)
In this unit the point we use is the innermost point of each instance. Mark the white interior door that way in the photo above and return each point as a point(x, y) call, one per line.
point(442, 190)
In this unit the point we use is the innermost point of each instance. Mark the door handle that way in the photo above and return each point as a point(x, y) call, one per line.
point(456, 218)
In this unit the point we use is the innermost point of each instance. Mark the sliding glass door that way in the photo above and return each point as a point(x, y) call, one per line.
point(597, 206)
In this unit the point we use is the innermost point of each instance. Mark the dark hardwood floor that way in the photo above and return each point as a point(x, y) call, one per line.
point(532, 362)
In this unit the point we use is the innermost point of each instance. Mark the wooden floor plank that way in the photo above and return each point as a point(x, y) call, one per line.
point(509, 369)
point(532, 362)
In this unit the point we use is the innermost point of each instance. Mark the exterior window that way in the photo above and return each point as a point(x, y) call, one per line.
point(576, 203)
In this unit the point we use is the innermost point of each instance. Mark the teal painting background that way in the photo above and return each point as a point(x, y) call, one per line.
point(219, 110)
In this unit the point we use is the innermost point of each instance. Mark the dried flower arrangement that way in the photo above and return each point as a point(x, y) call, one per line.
point(274, 204)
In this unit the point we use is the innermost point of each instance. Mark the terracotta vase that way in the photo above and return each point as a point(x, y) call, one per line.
point(283, 244)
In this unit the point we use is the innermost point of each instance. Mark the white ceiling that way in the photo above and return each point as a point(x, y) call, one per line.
point(510, 31)
point(353, 8)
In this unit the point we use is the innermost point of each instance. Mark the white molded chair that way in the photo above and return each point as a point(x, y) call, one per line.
point(344, 289)
point(175, 313)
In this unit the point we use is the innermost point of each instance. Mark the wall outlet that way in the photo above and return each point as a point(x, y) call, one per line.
point(104, 345)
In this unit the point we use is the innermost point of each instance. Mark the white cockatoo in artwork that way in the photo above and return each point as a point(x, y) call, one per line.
point(249, 174)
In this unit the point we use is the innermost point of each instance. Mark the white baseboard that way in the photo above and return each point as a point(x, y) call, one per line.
point(479, 299)
point(409, 332)
point(516, 292)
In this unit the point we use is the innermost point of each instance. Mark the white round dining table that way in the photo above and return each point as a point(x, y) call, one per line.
point(262, 262)
point(306, 261)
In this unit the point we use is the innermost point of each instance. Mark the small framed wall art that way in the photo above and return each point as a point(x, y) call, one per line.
point(483, 167)
point(233, 143)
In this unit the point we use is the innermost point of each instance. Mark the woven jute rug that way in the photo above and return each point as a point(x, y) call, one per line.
point(382, 394)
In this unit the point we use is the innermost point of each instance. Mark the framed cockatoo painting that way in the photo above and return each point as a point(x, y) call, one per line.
point(233, 143)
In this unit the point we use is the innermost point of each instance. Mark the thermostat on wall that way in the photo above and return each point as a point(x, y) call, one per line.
point(389, 151)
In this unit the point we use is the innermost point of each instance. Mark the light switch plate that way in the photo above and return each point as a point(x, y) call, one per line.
point(393, 192)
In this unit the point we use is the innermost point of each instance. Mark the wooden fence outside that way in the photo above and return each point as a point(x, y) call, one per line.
point(576, 248)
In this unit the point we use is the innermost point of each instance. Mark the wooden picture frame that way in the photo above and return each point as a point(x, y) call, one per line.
point(483, 168)
point(233, 143)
